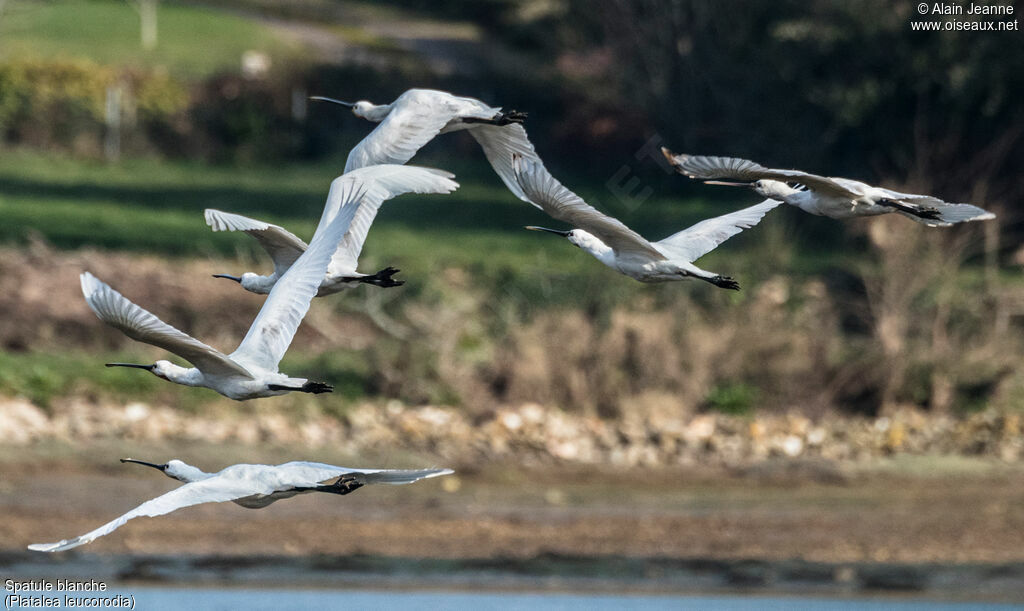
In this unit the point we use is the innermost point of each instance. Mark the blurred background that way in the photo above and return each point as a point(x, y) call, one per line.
point(868, 380)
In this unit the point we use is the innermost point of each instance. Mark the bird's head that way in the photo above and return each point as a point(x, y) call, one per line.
point(765, 187)
point(771, 189)
point(577, 237)
point(164, 369)
point(362, 108)
point(182, 471)
point(254, 283)
point(174, 469)
point(161, 369)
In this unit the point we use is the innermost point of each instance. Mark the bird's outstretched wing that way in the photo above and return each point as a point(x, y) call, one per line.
point(213, 490)
point(272, 331)
point(112, 308)
point(704, 167)
point(382, 182)
point(543, 191)
point(301, 473)
point(415, 119)
point(500, 143)
point(274, 327)
point(282, 245)
point(700, 239)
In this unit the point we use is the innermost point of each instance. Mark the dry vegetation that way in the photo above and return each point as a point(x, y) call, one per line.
point(911, 328)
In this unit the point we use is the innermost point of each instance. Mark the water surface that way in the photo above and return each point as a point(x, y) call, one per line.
point(228, 599)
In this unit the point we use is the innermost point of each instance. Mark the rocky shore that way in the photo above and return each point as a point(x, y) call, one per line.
point(534, 434)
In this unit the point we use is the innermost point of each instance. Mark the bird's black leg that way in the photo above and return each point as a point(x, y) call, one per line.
point(344, 485)
point(501, 118)
point(919, 211)
point(723, 282)
point(310, 387)
point(382, 278)
point(316, 387)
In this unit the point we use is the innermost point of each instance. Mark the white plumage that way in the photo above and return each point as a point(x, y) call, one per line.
point(837, 198)
point(251, 370)
point(418, 115)
point(624, 250)
point(379, 183)
point(251, 486)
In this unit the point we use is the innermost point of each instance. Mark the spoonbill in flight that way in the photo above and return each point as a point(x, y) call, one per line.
point(418, 115)
point(837, 198)
point(623, 249)
point(251, 486)
point(383, 182)
point(251, 370)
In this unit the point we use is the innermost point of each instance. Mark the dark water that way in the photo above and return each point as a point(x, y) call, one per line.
point(271, 600)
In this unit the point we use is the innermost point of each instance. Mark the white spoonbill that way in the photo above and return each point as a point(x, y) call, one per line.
point(383, 182)
point(284, 247)
point(251, 486)
point(251, 370)
point(837, 198)
point(418, 115)
point(626, 251)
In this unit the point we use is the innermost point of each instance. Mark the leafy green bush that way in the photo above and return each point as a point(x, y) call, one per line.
point(734, 398)
point(62, 103)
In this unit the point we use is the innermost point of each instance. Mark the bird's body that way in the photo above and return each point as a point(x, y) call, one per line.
point(622, 249)
point(383, 182)
point(838, 198)
point(251, 486)
point(251, 370)
point(418, 115)
point(235, 376)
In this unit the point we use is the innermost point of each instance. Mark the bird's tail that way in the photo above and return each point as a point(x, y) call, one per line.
point(945, 214)
point(399, 476)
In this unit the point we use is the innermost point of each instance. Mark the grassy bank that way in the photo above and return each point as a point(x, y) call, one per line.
point(886, 313)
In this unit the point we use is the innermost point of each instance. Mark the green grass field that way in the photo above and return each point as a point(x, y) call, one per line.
point(154, 206)
point(192, 40)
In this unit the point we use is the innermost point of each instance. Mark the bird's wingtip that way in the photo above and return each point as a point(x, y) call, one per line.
point(46, 547)
point(90, 284)
point(210, 215)
point(670, 156)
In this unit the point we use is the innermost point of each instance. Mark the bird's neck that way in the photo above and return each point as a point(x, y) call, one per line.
point(189, 474)
point(186, 376)
point(376, 112)
point(259, 284)
point(776, 189)
point(593, 245)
